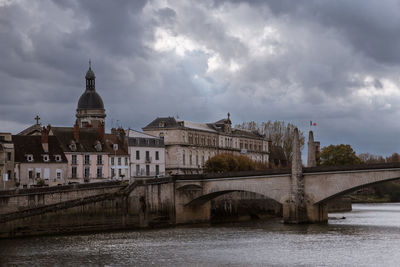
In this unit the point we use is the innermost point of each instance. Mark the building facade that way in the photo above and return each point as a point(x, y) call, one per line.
point(39, 160)
point(189, 145)
point(117, 147)
point(7, 175)
point(87, 155)
point(147, 155)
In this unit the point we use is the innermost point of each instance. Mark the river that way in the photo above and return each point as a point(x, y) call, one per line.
point(368, 236)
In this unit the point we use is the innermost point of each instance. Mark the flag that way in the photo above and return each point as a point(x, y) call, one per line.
point(313, 123)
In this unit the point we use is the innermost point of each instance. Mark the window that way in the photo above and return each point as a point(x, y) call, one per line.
point(147, 170)
point(157, 170)
point(99, 159)
point(112, 173)
point(30, 174)
point(58, 158)
point(38, 172)
point(46, 173)
point(183, 158)
point(29, 158)
point(87, 172)
point(197, 160)
point(126, 161)
point(8, 155)
point(112, 161)
point(45, 158)
point(147, 155)
point(58, 174)
point(137, 169)
point(119, 162)
point(190, 159)
point(74, 172)
point(99, 172)
point(137, 154)
point(74, 160)
point(87, 159)
point(157, 155)
point(119, 172)
point(202, 160)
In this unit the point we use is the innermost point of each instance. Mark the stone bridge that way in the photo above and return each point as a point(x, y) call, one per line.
point(303, 193)
point(320, 185)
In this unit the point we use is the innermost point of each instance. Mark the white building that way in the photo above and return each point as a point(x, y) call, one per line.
point(117, 146)
point(147, 155)
point(188, 145)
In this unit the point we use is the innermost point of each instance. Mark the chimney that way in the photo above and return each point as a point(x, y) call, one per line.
point(45, 139)
point(76, 131)
point(101, 132)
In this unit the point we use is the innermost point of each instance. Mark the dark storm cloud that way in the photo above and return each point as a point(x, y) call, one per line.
point(334, 62)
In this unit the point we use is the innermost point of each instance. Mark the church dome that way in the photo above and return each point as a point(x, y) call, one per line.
point(90, 99)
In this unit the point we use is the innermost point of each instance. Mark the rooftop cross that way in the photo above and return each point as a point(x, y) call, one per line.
point(37, 118)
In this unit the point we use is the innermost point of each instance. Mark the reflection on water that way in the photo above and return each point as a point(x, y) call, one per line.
point(369, 236)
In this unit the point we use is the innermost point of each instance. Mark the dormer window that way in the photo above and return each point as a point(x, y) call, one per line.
point(161, 124)
point(29, 157)
point(72, 146)
point(45, 158)
point(58, 158)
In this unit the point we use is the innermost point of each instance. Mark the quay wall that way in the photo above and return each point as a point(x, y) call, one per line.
point(21, 199)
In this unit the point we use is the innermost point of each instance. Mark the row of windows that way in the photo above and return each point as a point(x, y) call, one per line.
point(140, 172)
point(86, 160)
point(198, 160)
point(99, 173)
point(119, 160)
point(37, 173)
point(45, 157)
point(147, 154)
point(200, 140)
point(86, 172)
point(225, 142)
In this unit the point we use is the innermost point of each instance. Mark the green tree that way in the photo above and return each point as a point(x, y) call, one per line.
point(231, 163)
point(280, 133)
point(338, 155)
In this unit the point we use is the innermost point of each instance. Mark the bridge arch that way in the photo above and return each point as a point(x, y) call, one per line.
point(347, 191)
point(323, 186)
point(198, 192)
point(201, 200)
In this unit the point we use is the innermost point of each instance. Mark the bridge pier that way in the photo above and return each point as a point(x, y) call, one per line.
point(317, 213)
point(185, 213)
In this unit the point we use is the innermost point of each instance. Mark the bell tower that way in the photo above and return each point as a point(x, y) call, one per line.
point(90, 111)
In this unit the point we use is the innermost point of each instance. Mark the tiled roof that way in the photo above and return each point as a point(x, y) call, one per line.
point(32, 145)
point(164, 122)
point(171, 122)
point(110, 140)
point(31, 130)
point(87, 139)
point(146, 142)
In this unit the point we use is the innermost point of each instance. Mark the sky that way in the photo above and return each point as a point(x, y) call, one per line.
point(336, 63)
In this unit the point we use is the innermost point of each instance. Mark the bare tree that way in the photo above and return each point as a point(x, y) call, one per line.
point(280, 134)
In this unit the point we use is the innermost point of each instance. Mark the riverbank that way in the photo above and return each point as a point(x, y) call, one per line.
point(370, 199)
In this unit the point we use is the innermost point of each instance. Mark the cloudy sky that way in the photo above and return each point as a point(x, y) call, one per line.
point(333, 62)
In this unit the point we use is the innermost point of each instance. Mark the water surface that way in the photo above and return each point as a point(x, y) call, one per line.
point(369, 236)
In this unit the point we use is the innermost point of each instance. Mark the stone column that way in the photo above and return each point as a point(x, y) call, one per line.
point(294, 210)
point(311, 158)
